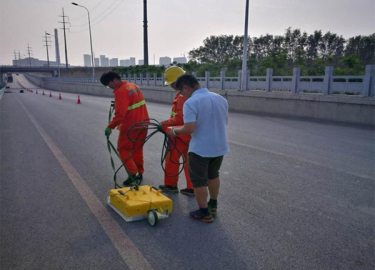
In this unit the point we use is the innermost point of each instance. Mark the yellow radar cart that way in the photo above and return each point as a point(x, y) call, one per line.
point(140, 202)
point(136, 202)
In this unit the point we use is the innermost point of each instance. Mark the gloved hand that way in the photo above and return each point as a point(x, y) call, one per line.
point(107, 131)
point(160, 128)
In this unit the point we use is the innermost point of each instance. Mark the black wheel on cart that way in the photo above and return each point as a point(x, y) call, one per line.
point(153, 218)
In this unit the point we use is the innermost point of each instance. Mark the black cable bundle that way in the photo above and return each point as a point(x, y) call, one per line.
point(169, 144)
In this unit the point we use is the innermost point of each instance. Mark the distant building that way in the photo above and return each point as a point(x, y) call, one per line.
point(127, 62)
point(141, 62)
point(180, 60)
point(87, 60)
point(113, 62)
point(165, 61)
point(96, 62)
point(122, 63)
point(132, 61)
point(104, 61)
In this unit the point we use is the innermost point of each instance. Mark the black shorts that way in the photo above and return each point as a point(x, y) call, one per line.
point(202, 169)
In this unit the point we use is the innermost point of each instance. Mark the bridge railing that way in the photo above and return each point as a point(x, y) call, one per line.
point(326, 85)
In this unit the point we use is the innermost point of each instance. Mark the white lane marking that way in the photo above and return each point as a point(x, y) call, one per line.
point(127, 250)
point(301, 159)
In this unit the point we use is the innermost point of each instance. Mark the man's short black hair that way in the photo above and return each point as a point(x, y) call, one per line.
point(108, 77)
point(188, 80)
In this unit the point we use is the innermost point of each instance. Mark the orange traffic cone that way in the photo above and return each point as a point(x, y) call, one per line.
point(50, 94)
point(36, 91)
point(79, 100)
point(43, 93)
point(59, 95)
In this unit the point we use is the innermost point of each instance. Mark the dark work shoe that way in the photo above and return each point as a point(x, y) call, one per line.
point(188, 191)
point(201, 217)
point(212, 207)
point(134, 180)
point(169, 188)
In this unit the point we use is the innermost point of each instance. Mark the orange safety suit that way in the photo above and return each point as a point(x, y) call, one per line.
point(130, 108)
point(172, 159)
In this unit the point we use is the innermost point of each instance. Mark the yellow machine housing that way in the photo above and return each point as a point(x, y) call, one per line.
point(132, 204)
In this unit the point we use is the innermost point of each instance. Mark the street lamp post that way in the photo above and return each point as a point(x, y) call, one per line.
point(92, 54)
point(244, 59)
point(46, 47)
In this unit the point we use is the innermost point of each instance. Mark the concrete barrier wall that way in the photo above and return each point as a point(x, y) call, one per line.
point(347, 109)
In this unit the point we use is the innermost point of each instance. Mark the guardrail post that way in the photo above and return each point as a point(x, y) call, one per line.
point(155, 78)
point(295, 80)
point(207, 78)
point(368, 81)
point(141, 78)
point(135, 78)
point(148, 78)
point(239, 80)
point(269, 79)
point(162, 79)
point(222, 79)
point(328, 80)
point(194, 73)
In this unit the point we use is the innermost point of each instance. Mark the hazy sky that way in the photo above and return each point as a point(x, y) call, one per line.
point(175, 26)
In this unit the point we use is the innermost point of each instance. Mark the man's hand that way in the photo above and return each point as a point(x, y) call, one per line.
point(160, 128)
point(171, 132)
point(107, 131)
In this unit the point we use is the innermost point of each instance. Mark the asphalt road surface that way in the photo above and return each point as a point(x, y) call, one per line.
point(295, 194)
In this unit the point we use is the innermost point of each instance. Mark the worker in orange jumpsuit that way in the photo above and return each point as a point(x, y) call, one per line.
point(172, 164)
point(130, 108)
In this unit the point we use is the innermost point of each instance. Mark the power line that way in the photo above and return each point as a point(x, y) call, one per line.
point(47, 45)
point(82, 17)
point(29, 50)
point(66, 49)
point(110, 12)
point(15, 58)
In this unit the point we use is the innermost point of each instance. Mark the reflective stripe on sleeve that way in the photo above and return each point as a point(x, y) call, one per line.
point(173, 113)
point(133, 91)
point(136, 105)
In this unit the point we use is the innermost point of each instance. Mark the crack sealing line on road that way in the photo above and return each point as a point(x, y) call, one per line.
point(126, 248)
point(302, 160)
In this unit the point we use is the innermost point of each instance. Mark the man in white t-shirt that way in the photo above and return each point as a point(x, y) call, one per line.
point(205, 118)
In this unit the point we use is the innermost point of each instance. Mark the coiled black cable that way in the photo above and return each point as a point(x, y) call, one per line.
point(169, 144)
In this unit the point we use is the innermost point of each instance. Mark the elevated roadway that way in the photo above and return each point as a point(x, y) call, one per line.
point(294, 195)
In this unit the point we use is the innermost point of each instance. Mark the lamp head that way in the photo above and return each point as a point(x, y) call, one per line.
point(74, 4)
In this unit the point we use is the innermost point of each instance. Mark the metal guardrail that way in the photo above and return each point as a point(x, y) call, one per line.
point(328, 84)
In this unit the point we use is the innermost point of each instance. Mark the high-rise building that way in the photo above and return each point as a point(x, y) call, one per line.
point(127, 62)
point(104, 61)
point(87, 60)
point(165, 61)
point(96, 62)
point(141, 62)
point(132, 61)
point(180, 60)
point(122, 63)
point(113, 62)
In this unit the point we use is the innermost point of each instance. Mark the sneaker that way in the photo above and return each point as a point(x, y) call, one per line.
point(212, 208)
point(188, 191)
point(169, 188)
point(134, 180)
point(199, 216)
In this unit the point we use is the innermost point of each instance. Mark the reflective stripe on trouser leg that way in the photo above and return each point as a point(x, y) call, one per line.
point(138, 155)
point(171, 168)
point(129, 163)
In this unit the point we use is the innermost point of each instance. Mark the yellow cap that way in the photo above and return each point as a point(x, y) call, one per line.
point(172, 73)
